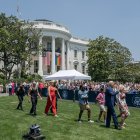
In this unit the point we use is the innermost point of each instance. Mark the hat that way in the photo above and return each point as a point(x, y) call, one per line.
point(52, 81)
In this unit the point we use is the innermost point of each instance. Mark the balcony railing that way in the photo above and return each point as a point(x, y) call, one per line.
point(51, 25)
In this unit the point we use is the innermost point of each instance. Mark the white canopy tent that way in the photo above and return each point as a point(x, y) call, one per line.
point(68, 75)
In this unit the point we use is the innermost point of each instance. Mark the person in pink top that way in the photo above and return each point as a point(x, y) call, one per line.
point(101, 100)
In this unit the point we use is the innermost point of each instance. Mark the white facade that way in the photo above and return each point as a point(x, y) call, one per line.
point(61, 50)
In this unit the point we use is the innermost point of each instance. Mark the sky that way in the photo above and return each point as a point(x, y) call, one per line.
point(87, 19)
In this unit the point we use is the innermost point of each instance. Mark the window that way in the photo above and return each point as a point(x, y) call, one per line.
point(83, 54)
point(35, 66)
point(75, 53)
point(49, 46)
point(75, 67)
point(83, 69)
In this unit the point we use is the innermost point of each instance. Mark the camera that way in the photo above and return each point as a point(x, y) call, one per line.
point(34, 133)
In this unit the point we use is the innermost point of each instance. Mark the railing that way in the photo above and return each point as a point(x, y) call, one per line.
point(51, 24)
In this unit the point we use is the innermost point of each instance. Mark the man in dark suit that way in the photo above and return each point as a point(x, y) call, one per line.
point(110, 103)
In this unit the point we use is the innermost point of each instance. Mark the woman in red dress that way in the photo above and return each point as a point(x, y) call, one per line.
point(51, 101)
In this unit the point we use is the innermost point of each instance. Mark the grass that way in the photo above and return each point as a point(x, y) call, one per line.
point(14, 123)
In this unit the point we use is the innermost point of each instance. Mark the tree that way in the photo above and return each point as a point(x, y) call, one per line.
point(134, 71)
point(107, 59)
point(17, 41)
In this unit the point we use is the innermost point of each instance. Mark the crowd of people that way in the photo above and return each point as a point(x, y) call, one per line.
point(11, 87)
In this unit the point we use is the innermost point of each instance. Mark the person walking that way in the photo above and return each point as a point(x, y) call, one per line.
point(51, 100)
point(56, 92)
point(20, 93)
point(83, 103)
point(1, 88)
point(101, 100)
point(33, 94)
point(110, 103)
point(10, 88)
point(123, 108)
point(13, 88)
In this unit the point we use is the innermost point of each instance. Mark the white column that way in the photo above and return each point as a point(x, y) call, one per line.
point(68, 52)
point(53, 56)
point(63, 55)
point(40, 70)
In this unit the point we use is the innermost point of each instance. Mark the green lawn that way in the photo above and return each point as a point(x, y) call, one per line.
point(14, 123)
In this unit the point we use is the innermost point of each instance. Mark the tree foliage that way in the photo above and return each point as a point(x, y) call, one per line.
point(18, 39)
point(107, 59)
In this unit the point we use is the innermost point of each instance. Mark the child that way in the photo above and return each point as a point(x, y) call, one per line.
point(101, 100)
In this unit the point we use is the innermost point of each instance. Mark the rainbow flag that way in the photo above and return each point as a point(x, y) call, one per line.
point(58, 59)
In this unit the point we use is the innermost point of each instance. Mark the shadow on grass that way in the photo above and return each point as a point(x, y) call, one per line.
point(76, 120)
point(103, 126)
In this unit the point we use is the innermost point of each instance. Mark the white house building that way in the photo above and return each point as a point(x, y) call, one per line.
point(61, 50)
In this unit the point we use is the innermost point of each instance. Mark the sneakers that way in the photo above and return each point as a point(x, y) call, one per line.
point(122, 127)
point(56, 116)
point(46, 114)
point(79, 121)
point(124, 124)
point(90, 121)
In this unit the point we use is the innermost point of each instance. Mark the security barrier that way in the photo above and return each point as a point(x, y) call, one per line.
point(131, 99)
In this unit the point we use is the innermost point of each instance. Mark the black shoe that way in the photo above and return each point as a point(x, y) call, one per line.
point(98, 121)
point(118, 128)
point(30, 113)
point(34, 114)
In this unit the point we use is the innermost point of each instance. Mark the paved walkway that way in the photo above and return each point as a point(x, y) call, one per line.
point(4, 94)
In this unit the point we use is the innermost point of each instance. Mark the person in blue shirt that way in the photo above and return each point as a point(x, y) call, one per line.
point(83, 103)
point(110, 94)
